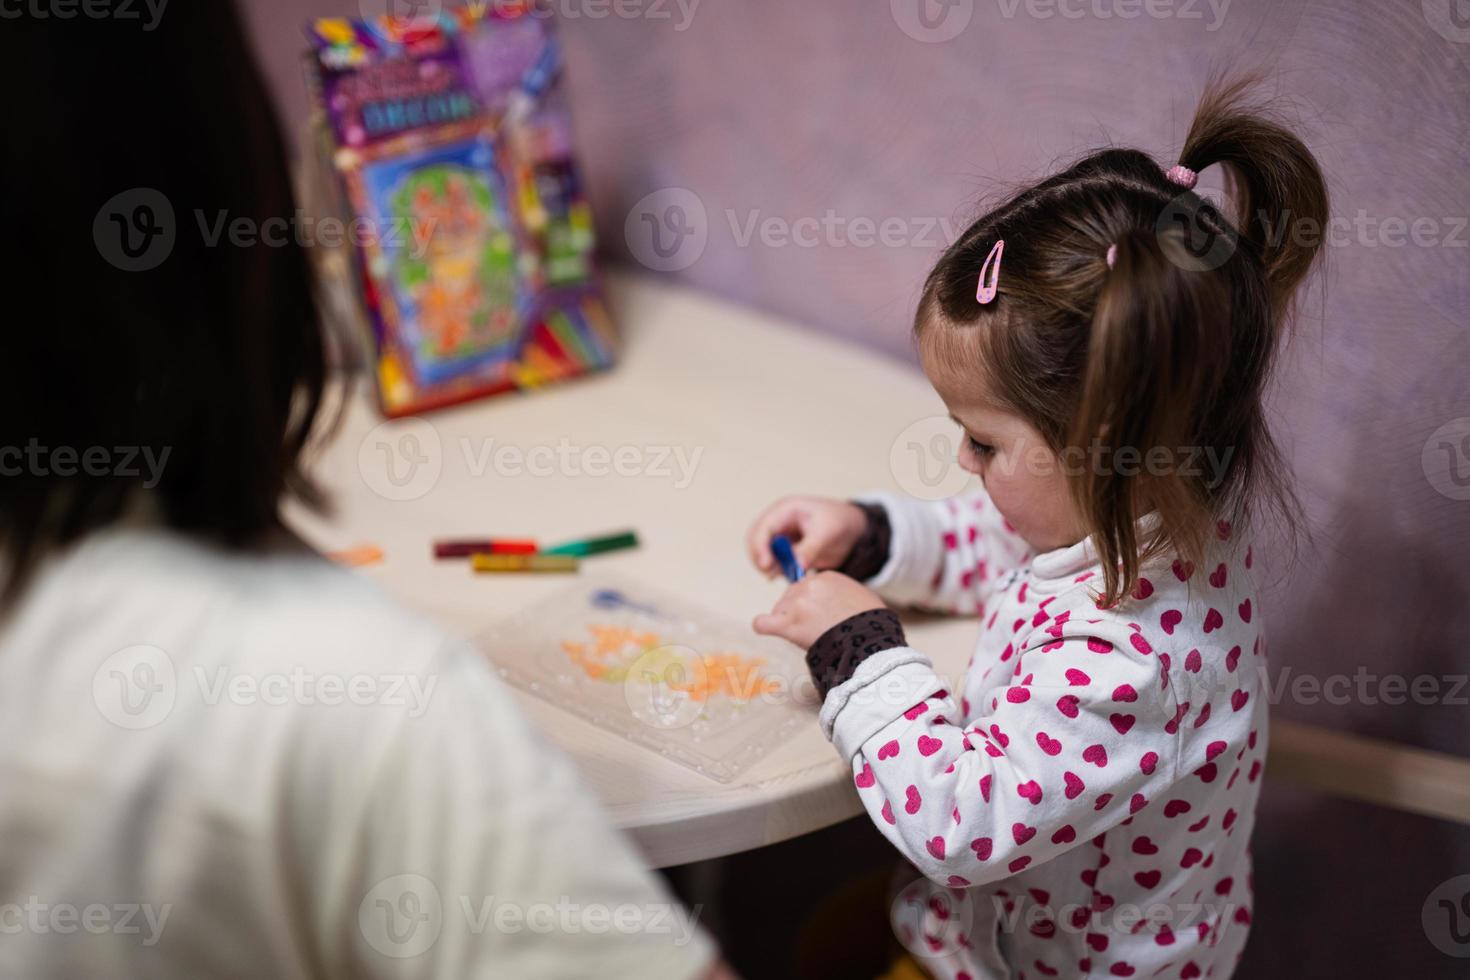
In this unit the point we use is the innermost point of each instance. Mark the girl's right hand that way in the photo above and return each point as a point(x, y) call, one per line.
point(823, 532)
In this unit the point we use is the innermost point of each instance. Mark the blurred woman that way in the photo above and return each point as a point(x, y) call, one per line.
point(220, 755)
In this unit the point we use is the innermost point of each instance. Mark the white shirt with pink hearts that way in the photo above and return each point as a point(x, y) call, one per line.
point(1088, 798)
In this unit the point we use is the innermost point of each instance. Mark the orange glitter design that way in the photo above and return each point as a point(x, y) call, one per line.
point(615, 650)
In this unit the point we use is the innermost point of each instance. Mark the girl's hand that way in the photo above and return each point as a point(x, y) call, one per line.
point(814, 605)
point(822, 532)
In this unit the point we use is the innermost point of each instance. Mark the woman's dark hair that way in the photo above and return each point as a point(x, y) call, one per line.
point(213, 355)
point(1168, 350)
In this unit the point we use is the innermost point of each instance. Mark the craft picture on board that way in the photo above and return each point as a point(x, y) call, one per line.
point(453, 286)
point(448, 137)
point(708, 694)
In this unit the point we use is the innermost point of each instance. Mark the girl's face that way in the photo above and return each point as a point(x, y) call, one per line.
point(1020, 471)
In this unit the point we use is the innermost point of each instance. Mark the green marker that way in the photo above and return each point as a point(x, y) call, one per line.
point(595, 546)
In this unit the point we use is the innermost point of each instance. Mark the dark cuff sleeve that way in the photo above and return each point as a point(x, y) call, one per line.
point(837, 652)
point(870, 553)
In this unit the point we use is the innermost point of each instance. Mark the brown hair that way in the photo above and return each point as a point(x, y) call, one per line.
point(1170, 347)
point(211, 363)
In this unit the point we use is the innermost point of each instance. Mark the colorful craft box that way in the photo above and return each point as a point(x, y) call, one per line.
point(452, 144)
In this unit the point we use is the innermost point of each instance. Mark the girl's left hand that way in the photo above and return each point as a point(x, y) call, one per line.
point(814, 605)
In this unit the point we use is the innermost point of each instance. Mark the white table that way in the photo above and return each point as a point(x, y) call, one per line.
point(773, 409)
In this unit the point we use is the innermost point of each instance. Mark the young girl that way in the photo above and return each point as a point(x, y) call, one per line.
point(1088, 787)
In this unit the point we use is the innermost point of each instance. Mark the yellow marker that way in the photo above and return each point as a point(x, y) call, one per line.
point(524, 563)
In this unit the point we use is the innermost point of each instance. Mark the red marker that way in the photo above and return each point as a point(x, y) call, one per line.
point(494, 546)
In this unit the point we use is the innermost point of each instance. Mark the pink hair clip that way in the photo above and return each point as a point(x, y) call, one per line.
point(990, 274)
point(1183, 176)
point(1112, 255)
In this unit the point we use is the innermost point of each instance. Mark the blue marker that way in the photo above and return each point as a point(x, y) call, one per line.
point(613, 599)
point(790, 567)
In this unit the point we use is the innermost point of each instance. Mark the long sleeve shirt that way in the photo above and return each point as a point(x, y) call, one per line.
point(1087, 790)
point(225, 765)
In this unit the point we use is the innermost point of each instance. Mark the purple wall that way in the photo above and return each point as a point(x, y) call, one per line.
point(841, 114)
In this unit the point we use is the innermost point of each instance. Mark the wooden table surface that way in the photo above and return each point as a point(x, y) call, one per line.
point(758, 408)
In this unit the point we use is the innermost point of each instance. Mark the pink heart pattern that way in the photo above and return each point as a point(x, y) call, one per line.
point(1069, 733)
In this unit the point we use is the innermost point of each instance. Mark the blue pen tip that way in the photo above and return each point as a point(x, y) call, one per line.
point(786, 557)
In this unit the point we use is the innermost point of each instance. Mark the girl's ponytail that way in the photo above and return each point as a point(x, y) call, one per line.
point(1159, 335)
point(1146, 372)
point(1277, 186)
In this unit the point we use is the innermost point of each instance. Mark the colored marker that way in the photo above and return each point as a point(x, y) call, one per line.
point(494, 546)
point(612, 599)
point(595, 546)
point(786, 558)
point(523, 563)
point(363, 554)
